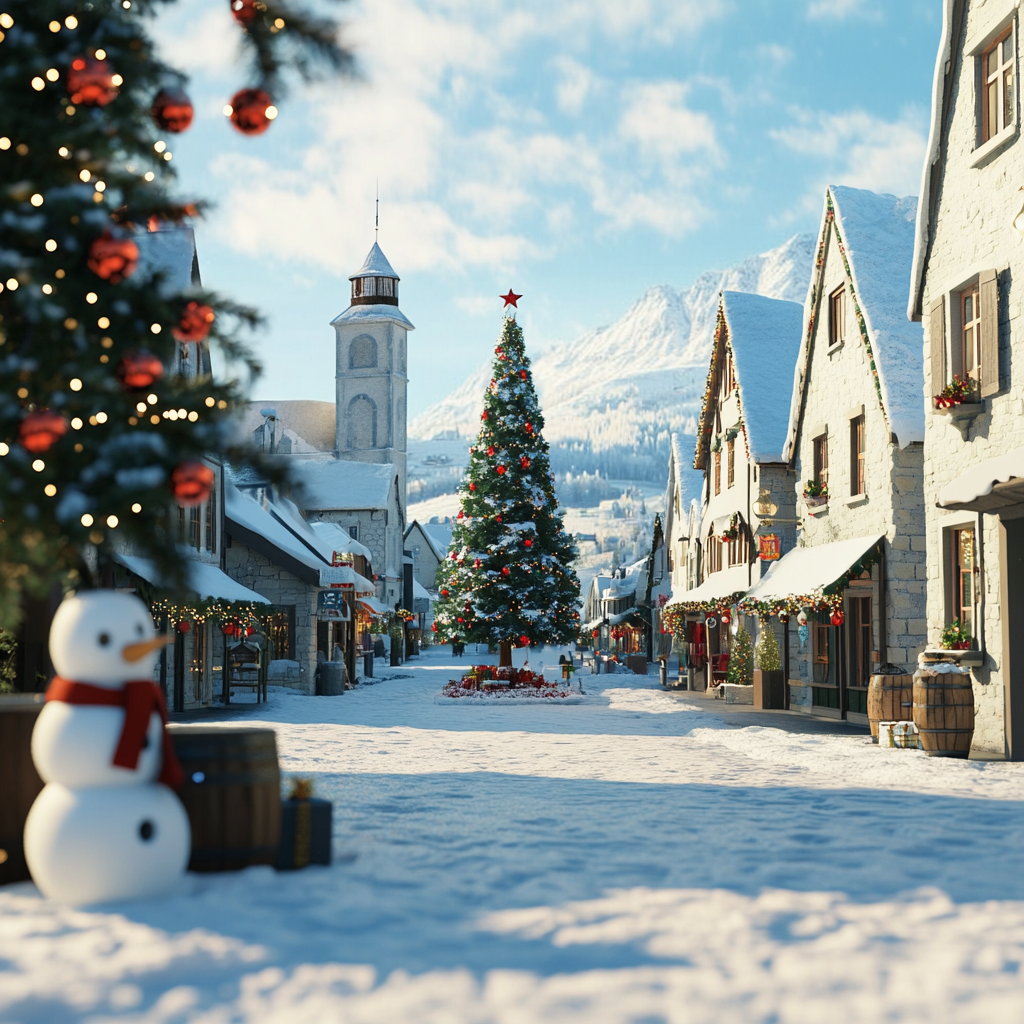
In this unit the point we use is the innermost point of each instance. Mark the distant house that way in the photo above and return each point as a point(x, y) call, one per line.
point(610, 610)
point(428, 544)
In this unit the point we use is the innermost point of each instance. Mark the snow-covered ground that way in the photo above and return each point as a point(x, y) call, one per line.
point(632, 858)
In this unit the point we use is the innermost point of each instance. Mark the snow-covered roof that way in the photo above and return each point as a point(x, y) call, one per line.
point(972, 488)
point(805, 572)
point(373, 313)
point(338, 539)
point(420, 591)
point(204, 579)
point(619, 588)
point(923, 227)
point(340, 484)
point(439, 535)
point(718, 585)
point(375, 265)
point(765, 338)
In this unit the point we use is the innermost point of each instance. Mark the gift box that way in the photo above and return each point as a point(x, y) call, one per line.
point(305, 833)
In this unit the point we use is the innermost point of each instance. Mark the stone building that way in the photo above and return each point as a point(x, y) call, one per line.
point(855, 441)
point(967, 252)
point(428, 543)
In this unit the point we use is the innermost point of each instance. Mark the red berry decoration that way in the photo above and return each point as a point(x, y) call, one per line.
point(91, 82)
point(40, 431)
point(504, 570)
point(528, 543)
point(244, 10)
point(172, 110)
point(113, 259)
point(501, 471)
point(139, 369)
point(191, 483)
point(195, 322)
point(252, 111)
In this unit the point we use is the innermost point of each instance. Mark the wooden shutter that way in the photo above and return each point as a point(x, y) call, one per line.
point(988, 300)
point(937, 337)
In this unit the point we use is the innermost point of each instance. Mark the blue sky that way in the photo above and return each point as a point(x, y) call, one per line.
point(578, 151)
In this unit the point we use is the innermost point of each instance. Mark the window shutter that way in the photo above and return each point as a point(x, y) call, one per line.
point(988, 300)
point(937, 335)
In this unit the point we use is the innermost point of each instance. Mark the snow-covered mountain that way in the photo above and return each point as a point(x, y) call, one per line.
point(613, 397)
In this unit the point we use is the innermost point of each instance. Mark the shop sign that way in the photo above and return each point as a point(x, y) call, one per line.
point(342, 558)
point(769, 549)
point(332, 606)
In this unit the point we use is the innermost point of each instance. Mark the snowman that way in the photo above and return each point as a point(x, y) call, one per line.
point(102, 828)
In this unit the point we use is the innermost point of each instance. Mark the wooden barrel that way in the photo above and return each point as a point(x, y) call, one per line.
point(890, 699)
point(232, 794)
point(19, 781)
point(944, 712)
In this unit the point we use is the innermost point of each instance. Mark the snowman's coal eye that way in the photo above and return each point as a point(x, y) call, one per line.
point(104, 639)
point(138, 628)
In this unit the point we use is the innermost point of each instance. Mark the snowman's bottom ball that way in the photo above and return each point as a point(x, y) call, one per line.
point(92, 845)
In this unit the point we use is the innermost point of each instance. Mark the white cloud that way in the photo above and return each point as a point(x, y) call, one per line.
point(839, 9)
point(576, 84)
point(657, 118)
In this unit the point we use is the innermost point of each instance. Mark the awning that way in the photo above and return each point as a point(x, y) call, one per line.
point(371, 604)
point(808, 572)
point(989, 486)
point(204, 579)
point(346, 576)
point(718, 586)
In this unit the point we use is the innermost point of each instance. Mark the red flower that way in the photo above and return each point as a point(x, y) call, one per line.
point(195, 322)
point(113, 259)
point(40, 431)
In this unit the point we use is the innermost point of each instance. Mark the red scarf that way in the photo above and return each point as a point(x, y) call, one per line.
point(139, 699)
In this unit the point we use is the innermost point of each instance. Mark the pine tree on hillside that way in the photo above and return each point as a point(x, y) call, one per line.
point(508, 577)
point(99, 431)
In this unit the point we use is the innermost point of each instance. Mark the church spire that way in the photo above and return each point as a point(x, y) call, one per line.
point(375, 282)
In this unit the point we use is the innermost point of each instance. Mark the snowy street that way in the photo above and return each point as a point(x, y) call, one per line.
point(633, 858)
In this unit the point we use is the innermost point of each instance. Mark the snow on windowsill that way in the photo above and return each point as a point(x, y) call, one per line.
point(987, 150)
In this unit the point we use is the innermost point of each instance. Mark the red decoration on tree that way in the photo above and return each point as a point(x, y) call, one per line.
point(524, 462)
point(91, 82)
point(460, 618)
point(249, 111)
point(477, 563)
point(490, 450)
point(444, 593)
point(195, 322)
point(510, 299)
point(726, 618)
point(497, 519)
point(524, 641)
point(228, 629)
point(528, 543)
point(40, 431)
point(172, 110)
point(504, 570)
point(522, 373)
point(596, 633)
point(837, 618)
point(139, 369)
point(472, 487)
point(529, 428)
point(500, 470)
point(433, 626)
point(191, 483)
point(244, 10)
point(113, 259)
point(483, 415)
point(184, 626)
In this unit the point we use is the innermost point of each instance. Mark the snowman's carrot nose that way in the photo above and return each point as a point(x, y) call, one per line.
point(136, 652)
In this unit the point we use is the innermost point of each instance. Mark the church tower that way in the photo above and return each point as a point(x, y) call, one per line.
point(371, 376)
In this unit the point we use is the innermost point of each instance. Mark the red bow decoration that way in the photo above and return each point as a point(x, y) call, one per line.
point(139, 700)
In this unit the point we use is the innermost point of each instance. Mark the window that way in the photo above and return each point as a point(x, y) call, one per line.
point(362, 353)
point(353, 531)
point(961, 578)
point(718, 471)
point(714, 555)
point(967, 359)
point(194, 523)
point(739, 548)
point(211, 522)
point(857, 455)
point(837, 317)
point(860, 638)
point(998, 99)
point(732, 461)
point(362, 422)
point(821, 460)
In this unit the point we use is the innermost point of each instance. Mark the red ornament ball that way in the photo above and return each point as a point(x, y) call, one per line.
point(524, 462)
point(195, 322)
point(191, 483)
point(172, 110)
point(139, 369)
point(524, 641)
point(91, 82)
point(490, 450)
point(184, 626)
point(497, 519)
point(483, 415)
point(113, 259)
point(726, 618)
point(529, 428)
point(228, 629)
point(500, 471)
point(837, 618)
point(460, 618)
point(433, 626)
point(522, 373)
point(444, 593)
point(504, 570)
point(40, 431)
point(528, 543)
point(252, 111)
point(472, 487)
point(244, 11)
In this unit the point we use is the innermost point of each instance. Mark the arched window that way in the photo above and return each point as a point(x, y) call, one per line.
point(362, 422)
point(362, 353)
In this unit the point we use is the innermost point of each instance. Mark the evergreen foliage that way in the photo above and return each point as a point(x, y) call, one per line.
point(768, 656)
point(508, 576)
point(741, 660)
point(71, 173)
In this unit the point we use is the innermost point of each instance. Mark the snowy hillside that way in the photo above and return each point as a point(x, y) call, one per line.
point(613, 397)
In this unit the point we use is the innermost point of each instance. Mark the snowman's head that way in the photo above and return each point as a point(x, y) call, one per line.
point(103, 637)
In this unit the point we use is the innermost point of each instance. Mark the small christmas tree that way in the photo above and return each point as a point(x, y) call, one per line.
point(100, 429)
point(741, 660)
point(768, 657)
point(508, 578)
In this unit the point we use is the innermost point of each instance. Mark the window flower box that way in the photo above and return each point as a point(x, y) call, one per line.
point(815, 494)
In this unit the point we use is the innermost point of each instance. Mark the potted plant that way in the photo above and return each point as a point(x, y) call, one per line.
point(956, 637)
point(732, 530)
point(815, 494)
point(959, 392)
point(769, 679)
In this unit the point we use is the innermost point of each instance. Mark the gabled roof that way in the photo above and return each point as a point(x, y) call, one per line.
point(876, 241)
point(437, 535)
point(375, 265)
point(764, 335)
point(342, 485)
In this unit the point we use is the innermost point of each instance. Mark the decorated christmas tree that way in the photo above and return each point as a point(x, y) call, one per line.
point(508, 577)
point(101, 432)
point(741, 660)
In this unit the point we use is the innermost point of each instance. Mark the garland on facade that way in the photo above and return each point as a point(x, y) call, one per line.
point(673, 618)
point(240, 613)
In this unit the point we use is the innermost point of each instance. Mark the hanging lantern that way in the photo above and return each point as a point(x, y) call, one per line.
point(184, 626)
point(113, 259)
point(500, 470)
point(251, 111)
point(191, 483)
point(195, 322)
point(91, 82)
point(172, 110)
point(801, 618)
point(40, 431)
point(139, 369)
point(244, 11)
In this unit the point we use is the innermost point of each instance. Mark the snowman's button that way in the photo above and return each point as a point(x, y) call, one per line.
point(146, 831)
point(199, 777)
